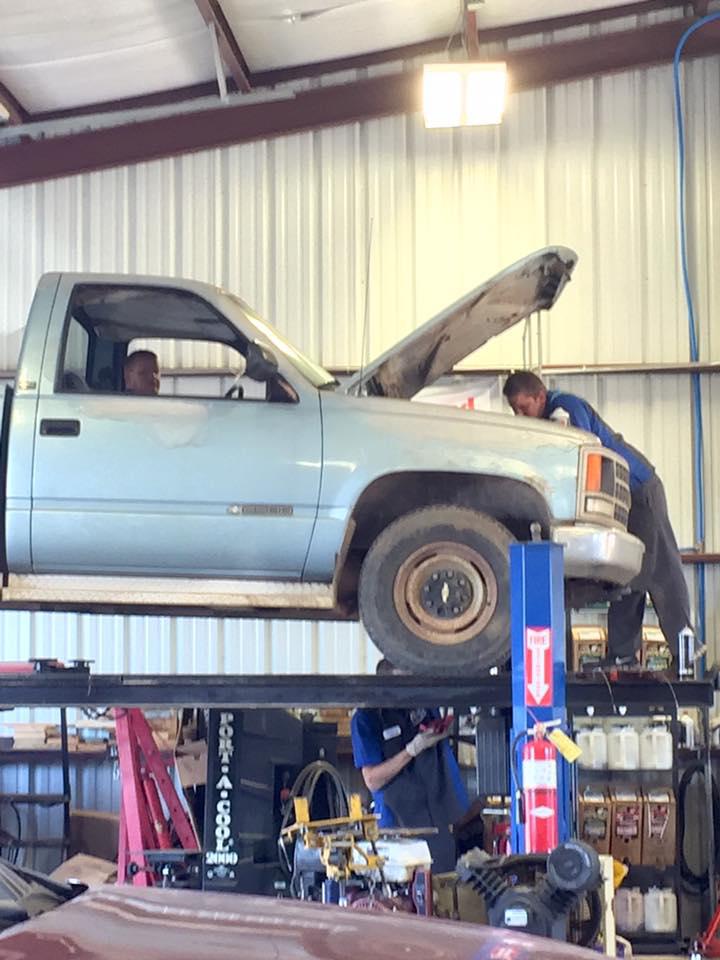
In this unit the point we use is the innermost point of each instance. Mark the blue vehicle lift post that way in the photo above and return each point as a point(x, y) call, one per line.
point(537, 626)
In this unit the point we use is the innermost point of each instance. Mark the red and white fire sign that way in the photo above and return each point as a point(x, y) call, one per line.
point(538, 667)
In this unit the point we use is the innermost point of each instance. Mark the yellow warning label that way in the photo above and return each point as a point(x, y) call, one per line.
point(566, 747)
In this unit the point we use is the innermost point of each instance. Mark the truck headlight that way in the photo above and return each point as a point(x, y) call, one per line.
point(600, 505)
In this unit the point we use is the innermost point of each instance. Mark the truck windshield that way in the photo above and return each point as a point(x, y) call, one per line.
point(317, 375)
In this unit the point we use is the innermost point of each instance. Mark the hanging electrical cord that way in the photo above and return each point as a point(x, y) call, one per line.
point(698, 451)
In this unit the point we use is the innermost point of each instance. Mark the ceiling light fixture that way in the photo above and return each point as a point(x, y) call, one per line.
point(465, 94)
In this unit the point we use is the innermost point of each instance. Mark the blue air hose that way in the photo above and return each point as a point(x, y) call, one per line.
point(698, 450)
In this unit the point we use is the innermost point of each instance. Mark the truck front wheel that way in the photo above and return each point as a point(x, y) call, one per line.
point(434, 591)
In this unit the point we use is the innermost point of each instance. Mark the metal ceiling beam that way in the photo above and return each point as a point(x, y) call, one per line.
point(162, 98)
point(16, 111)
point(272, 77)
point(232, 55)
point(263, 78)
point(31, 160)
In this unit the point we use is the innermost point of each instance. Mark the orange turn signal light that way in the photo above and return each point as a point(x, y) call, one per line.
point(593, 473)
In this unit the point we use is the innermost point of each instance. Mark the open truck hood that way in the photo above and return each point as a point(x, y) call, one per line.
point(533, 283)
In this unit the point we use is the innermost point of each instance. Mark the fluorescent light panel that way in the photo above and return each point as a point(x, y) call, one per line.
point(463, 94)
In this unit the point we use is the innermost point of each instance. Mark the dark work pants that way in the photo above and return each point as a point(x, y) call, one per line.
point(661, 576)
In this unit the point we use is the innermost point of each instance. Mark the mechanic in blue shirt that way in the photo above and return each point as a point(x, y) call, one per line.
point(411, 772)
point(661, 575)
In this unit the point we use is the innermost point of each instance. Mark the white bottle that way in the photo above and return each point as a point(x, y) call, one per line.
point(593, 743)
point(629, 909)
point(623, 748)
point(687, 727)
point(660, 910)
point(656, 748)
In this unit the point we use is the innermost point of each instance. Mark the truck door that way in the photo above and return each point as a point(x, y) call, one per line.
point(183, 483)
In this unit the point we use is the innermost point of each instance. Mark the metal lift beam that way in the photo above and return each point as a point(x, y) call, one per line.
point(84, 689)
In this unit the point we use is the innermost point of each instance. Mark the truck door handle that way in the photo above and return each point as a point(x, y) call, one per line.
point(60, 428)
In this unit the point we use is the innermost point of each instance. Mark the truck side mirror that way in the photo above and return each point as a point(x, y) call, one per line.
point(261, 362)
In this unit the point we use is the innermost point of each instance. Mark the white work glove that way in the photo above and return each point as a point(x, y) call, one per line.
point(423, 740)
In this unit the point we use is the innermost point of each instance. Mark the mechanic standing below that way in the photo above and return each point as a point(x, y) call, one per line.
point(413, 776)
point(661, 575)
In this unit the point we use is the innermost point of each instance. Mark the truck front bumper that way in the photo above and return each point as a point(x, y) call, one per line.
point(599, 553)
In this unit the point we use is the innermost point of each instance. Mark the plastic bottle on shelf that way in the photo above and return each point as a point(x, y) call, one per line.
point(593, 743)
point(656, 747)
point(629, 909)
point(623, 748)
point(660, 910)
point(687, 731)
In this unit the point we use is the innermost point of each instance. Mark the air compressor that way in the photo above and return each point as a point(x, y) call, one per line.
point(572, 871)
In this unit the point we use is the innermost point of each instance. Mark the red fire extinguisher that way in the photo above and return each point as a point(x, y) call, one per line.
point(540, 796)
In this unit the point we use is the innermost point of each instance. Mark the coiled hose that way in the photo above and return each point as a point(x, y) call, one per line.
point(306, 785)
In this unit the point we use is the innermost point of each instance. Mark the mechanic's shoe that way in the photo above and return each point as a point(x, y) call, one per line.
point(630, 662)
point(619, 664)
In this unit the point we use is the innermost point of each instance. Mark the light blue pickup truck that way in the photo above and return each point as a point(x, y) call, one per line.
point(285, 494)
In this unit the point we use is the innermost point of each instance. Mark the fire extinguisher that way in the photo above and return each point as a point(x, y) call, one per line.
point(540, 794)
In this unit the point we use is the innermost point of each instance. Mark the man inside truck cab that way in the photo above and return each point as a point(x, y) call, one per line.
point(661, 575)
point(142, 374)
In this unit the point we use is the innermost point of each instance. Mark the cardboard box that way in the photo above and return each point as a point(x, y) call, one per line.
point(466, 755)
point(337, 715)
point(456, 901)
point(32, 736)
point(659, 828)
point(595, 819)
point(95, 833)
point(92, 871)
point(496, 825)
point(654, 650)
point(191, 763)
point(627, 825)
point(589, 643)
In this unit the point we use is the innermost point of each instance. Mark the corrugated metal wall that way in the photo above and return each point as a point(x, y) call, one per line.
point(287, 223)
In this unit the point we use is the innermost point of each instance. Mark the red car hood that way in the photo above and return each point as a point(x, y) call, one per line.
point(115, 923)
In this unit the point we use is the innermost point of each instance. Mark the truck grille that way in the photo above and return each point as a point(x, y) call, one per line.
point(621, 492)
point(605, 497)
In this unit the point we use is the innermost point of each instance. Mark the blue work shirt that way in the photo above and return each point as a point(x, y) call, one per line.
point(367, 743)
point(583, 416)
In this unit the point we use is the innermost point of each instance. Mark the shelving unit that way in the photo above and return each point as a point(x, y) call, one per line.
point(29, 799)
point(645, 876)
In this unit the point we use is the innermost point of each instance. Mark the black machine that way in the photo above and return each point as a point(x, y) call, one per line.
point(572, 871)
point(253, 758)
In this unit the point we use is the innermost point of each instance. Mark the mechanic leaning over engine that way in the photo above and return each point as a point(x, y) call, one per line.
point(661, 575)
point(413, 776)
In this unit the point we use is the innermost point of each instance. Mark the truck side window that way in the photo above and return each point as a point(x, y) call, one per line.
point(200, 352)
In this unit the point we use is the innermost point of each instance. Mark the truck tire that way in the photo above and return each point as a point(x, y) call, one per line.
point(434, 591)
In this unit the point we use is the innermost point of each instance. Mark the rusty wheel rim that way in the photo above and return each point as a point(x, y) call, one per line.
point(445, 593)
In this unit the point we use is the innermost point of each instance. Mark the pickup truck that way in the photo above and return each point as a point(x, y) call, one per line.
point(285, 493)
